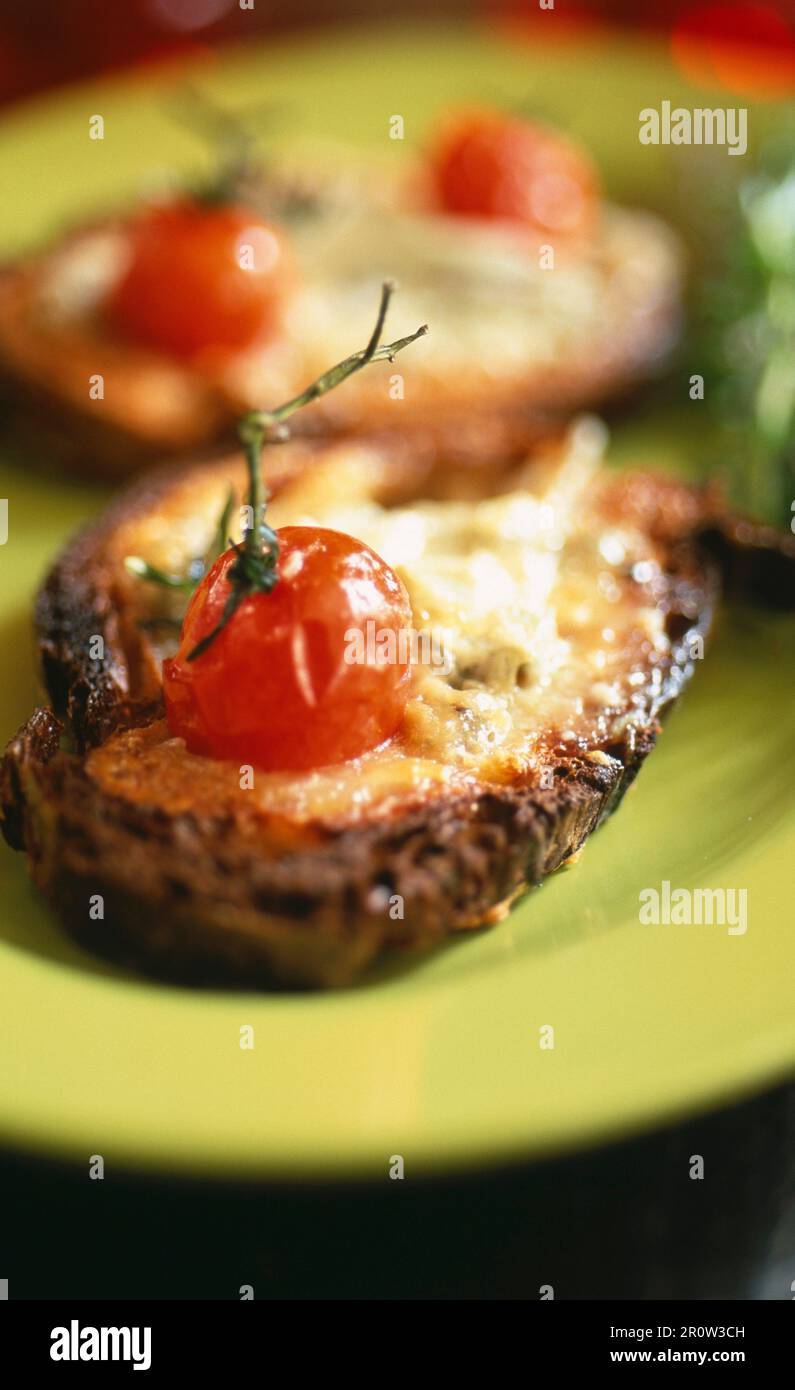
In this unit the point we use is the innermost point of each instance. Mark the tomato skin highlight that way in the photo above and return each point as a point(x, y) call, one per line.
point(274, 689)
point(487, 164)
point(201, 277)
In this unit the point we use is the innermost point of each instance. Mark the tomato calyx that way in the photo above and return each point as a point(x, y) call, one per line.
point(232, 136)
point(254, 569)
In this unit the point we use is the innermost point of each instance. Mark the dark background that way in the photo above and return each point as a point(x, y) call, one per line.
point(625, 1221)
point(44, 43)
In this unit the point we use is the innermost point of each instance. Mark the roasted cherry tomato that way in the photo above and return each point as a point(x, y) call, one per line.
point(201, 276)
point(487, 164)
point(304, 675)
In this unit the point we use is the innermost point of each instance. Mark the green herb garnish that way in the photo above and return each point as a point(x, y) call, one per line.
point(197, 567)
point(744, 344)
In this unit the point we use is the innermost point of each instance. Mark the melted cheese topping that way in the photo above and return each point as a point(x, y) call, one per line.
point(489, 290)
point(550, 635)
point(481, 578)
point(506, 580)
point(496, 309)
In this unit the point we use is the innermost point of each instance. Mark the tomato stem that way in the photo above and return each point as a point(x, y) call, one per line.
point(255, 569)
point(269, 420)
point(230, 134)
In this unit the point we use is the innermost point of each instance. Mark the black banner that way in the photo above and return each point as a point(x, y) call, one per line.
point(159, 1339)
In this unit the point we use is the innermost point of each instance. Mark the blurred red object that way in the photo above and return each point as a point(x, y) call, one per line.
point(54, 41)
point(50, 42)
point(749, 48)
point(746, 47)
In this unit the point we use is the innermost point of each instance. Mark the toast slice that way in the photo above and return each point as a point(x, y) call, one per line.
point(576, 600)
point(513, 337)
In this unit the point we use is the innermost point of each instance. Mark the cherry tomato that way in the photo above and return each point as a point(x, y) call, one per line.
point(280, 686)
point(200, 276)
point(487, 164)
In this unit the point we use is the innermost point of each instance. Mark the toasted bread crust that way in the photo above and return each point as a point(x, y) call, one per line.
point(216, 894)
point(186, 897)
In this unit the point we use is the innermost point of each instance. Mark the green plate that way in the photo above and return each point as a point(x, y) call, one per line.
point(439, 1061)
